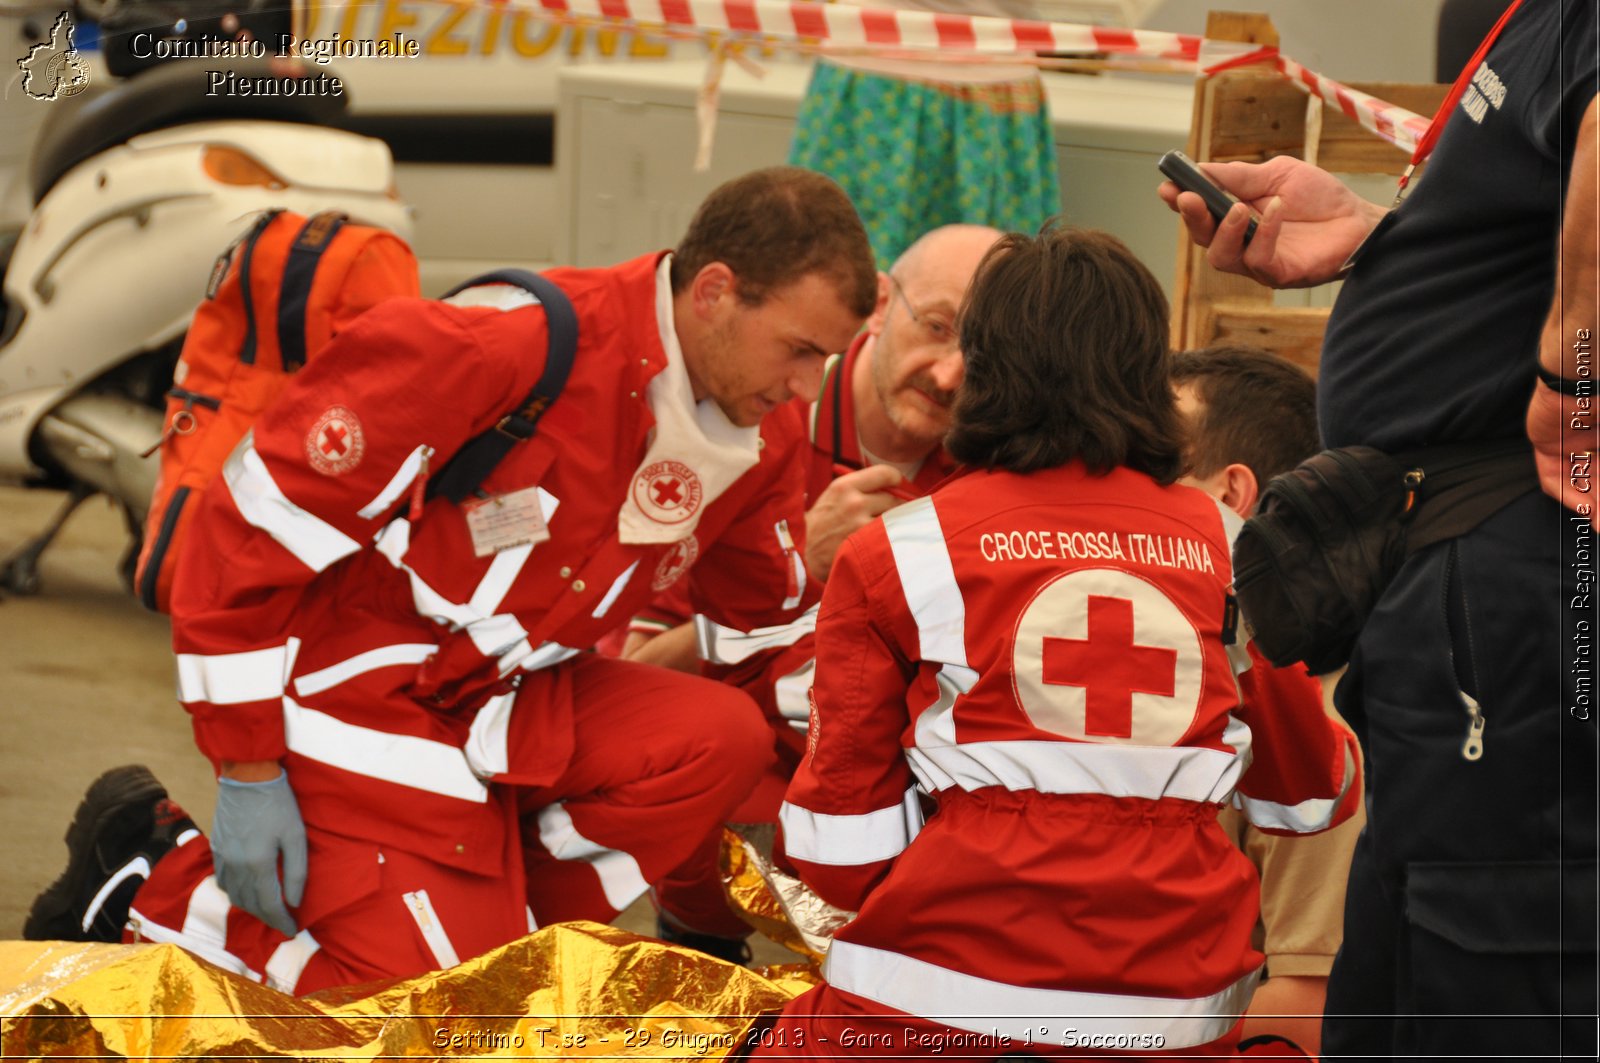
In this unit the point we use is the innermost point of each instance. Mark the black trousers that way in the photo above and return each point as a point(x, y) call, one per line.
point(1470, 918)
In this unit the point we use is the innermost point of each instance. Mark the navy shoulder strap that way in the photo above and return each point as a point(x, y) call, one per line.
point(247, 242)
point(299, 270)
point(471, 465)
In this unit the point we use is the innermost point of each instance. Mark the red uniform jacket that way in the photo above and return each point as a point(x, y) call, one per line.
point(315, 621)
point(774, 667)
point(1044, 656)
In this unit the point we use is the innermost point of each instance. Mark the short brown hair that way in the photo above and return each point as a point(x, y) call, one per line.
point(1065, 337)
point(774, 226)
point(1255, 409)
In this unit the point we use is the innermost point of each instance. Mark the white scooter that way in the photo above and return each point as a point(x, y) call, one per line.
point(136, 194)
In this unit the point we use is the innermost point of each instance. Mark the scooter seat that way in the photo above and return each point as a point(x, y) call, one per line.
point(171, 94)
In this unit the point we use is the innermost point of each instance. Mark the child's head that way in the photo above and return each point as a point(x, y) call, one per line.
point(1249, 415)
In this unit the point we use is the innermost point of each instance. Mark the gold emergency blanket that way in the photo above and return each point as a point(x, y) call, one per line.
point(775, 903)
point(569, 991)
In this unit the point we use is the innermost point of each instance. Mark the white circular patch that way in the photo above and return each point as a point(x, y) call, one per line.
point(668, 492)
point(674, 563)
point(335, 443)
point(1102, 655)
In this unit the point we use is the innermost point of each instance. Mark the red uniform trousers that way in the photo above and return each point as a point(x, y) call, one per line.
point(659, 759)
point(693, 895)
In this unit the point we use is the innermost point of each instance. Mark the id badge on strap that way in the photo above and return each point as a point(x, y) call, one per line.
point(502, 521)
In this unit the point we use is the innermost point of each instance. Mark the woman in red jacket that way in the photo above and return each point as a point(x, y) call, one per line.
point(1040, 654)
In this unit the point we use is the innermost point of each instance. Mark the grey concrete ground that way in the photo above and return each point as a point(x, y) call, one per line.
point(86, 681)
point(86, 678)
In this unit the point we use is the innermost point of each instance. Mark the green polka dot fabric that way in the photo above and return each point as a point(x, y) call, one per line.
point(915, 155)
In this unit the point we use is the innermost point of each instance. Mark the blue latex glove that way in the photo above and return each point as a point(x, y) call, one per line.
point(253, 824)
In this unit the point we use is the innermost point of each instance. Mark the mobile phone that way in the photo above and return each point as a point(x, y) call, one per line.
point(1187, 176)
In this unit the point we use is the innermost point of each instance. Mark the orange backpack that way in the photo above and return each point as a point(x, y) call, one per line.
point(275, 298)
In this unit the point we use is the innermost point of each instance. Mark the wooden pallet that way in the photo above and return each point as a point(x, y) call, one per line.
point(1252, 114)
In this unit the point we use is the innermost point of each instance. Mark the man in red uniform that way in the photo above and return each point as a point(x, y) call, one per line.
point(876, 432)
point(1043, 647)
point(396, 696)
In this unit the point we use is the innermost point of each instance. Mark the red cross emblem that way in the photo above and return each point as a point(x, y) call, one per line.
point(1103, 655)
point(335, 443)
point(668, 492)
point(1110, 667)
point(675, 562)
point(333, 440)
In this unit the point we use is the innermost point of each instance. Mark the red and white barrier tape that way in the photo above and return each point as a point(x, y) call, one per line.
point(845, 25)
point(1393, 123)
point(813, 26)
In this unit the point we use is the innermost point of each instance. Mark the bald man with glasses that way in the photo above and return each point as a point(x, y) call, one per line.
point(876, 434)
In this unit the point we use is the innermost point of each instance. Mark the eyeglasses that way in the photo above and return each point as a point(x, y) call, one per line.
point(942, 333)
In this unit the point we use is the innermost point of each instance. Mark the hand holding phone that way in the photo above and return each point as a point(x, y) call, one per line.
point(1187, 176)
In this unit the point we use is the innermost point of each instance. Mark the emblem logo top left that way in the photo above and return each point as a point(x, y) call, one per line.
point(336, 442)
point(54, 69)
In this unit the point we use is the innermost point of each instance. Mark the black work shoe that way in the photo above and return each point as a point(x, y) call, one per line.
point(124, 824)
point(733, 950)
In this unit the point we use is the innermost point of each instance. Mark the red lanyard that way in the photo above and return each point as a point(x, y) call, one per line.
point(1442, 115)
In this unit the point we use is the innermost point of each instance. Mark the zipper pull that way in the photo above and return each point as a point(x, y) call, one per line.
point(787, 542)
point(1472, 748)
point(419, 486)
point(182, 424)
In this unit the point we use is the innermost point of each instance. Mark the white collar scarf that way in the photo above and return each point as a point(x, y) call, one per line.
point(695, 452)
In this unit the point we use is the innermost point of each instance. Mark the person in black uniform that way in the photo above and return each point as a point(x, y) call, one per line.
point(1470, 919)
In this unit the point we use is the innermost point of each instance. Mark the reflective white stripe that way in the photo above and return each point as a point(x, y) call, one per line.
point(968, 1002)
point(936, 724)
point(233, 678)
point(1239, 650)
point(1186, 772)
point(486, 750)
point(406, 760)
point(615, 592)
point(434, 606)
point(427, 920)
point(403, 478)
point(923, 561)
point(145, 929)
point(1308, 816)
point(206, 921)
point(314, 542)
point(496, 636)
point(499, 636)
point(185, 838)
point(620, 878)
point(137, 866)
point(394, 540)
point(727, 645)
point(845, 841)
point(288, 961)
point(383, 657)
point(792, 694)
point(533, 924)
point(497, 296)
point(1236, 733)
point(496, 583)
point(797, 562)
point(547, 654)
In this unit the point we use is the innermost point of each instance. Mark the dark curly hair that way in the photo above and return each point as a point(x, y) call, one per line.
point(1065, 338)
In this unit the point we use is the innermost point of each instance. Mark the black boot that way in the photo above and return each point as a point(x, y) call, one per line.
point(733, 950)
point(124, 824)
